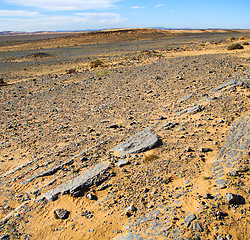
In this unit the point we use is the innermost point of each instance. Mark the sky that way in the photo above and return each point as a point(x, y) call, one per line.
point(69, 15)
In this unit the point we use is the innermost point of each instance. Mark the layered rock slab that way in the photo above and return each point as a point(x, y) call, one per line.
point(93, 175)
point(140, 142)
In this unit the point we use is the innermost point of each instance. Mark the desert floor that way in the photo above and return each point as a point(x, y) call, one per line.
point(182, 95)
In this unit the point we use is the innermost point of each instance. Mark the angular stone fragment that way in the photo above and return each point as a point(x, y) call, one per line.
point(234, 198)
point(195, 109)
point(61, 214)
point(185, 98)
point(189, 219)
point(131, 209)
point(122, 162)
point(205, 150)
point(140, 142)
point(197, 226)
point(5, 237)
point(94, 175)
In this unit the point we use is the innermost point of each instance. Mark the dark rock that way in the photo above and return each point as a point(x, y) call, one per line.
point(204, 150)
point(220, 215)
point(207, 196)
point(5, 237)
point(131, 209)
point(61, 214)
point(234, 198)
point(114, 126)
point(87, 214)
point(140, 142)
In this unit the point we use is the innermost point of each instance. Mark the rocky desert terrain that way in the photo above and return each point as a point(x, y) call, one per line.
point(125, 134)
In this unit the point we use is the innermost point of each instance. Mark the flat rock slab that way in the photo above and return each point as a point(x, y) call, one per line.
point(224, 85)
point(88, 178)
point(140, 142)
point(235, 147)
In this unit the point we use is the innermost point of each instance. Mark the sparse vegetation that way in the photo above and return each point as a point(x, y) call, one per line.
point(235, 46)
point(95, 63)
point(242, 38)
point(150, 157)
point(206, 178)
point(245, 43)
point(2, 82)
point(231, 39)
point(72, 70)
point(104, 73)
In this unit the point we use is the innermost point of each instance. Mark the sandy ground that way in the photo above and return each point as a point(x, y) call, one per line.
point(49, 114)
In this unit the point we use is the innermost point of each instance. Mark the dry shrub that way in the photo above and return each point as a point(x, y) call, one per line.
point(231, 39)
point(235, 46)
point(149, 157)
point(72, 70)
point(95, 63)
point(245, 43)
point(242, 38)
point(2, 82)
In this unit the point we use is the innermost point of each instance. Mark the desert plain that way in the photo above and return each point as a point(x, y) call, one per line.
point(125, 134)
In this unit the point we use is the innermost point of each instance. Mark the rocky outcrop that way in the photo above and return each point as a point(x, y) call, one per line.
point(94, 175)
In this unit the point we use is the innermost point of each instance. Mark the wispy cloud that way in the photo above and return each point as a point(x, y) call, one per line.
point(137, 7)
point(59, 22)
point(18, 13)
point(160, 5)
point(102, 18)
point(61, 5)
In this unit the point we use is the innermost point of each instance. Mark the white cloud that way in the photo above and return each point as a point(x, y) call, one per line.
point(61, 5)
point(101, 18)
point(54, 23)
point(160, 5)
point(18, 13)
point(137, 7)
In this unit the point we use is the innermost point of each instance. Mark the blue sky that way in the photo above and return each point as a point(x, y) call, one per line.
point(52, 15)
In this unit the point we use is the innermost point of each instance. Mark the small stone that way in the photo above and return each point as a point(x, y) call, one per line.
point(204, 150)
point(5, 237)
point(189, 219)
point(90, 196)
point(122, 162)
point(128, 214)
point(220, 238)
point(131, 209)
point(114, 126)
point(234, 198)
point(207, 196)
point(197, 226)
point(87, 214)
point(103, 186)
point(189, 149)
point(61, 214)
point(228, 236)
